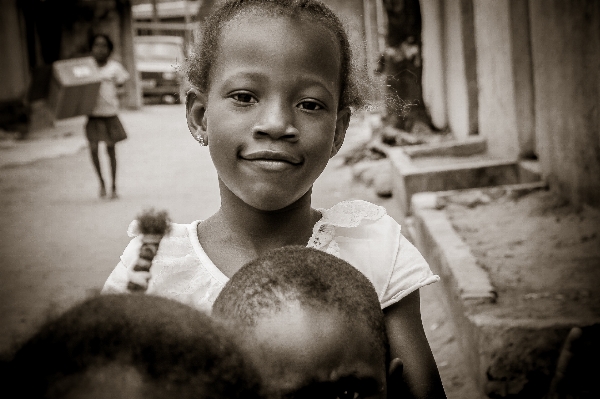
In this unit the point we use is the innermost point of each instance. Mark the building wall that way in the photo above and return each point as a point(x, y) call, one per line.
point(432, 52)
point(530, 73)
point(523, 77)
point(497, 95)
point(14, 69)
point(371, 35)
point(565, 42)
point(460, 66)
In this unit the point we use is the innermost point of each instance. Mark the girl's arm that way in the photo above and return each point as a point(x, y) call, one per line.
point(120, 75)
point(420, 376)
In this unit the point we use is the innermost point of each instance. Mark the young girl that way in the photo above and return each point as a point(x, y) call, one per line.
point(103, 123)
point(272, 96)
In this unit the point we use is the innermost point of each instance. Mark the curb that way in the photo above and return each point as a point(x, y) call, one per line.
point(507, 357)
point(60, 138)
point(434, 231)
point(25, 152)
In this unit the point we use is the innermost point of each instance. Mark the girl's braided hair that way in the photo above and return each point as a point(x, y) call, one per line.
point(200, 62)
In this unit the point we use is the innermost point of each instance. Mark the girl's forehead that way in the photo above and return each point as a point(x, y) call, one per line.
point(298, 42)
point(276, 27)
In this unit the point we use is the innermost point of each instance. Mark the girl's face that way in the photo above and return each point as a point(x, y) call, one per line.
point(100, 50)
point(271, 116)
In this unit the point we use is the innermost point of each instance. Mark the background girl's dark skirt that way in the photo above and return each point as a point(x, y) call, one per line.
point(105, 128)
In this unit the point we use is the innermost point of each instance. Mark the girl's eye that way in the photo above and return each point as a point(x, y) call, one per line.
point(244, 98)
point(310, 105)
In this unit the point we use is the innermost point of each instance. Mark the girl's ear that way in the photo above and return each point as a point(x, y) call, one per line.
point(341, 125)
point(195, 111)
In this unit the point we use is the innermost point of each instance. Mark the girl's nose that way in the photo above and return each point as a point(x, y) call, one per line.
point(277, 122)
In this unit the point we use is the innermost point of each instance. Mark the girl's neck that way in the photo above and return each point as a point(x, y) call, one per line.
point(263, 230)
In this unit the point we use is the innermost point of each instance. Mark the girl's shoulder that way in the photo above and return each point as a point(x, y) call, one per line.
point(364, 235)
point(352, 213)
point(176, 242)
point(351, 219)
point(180, 270)
point(353, 222)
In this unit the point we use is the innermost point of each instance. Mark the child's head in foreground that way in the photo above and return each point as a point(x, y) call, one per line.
point(310, 322)
point(131, 346)
point(272, 91)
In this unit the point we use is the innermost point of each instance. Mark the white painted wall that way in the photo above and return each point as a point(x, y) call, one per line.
point(432, 51)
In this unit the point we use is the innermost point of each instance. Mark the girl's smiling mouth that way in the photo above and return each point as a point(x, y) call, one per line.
point(272, 160)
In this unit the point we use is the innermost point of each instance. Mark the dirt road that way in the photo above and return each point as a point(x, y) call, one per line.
point(60, 241)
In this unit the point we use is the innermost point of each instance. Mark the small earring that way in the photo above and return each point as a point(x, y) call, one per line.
point(199, 138)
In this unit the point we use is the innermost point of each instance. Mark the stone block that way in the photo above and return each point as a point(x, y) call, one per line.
point(529, 171)
point(446, 173)
point(454, 148)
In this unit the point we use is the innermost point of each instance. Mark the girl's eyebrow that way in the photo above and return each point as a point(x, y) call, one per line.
point(305, 80)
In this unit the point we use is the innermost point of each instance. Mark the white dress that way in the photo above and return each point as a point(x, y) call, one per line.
point(357, 231)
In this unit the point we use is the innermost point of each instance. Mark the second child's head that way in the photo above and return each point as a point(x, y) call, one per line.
point(272, 91)
point(130, 346)
point(310, 322)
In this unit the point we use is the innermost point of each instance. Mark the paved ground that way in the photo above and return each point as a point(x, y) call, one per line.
point(60, 241)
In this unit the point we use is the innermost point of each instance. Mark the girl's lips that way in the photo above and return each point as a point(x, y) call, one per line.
point(272, 157)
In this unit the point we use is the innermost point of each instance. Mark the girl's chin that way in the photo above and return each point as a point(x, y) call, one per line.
point(276, 205)
point(273, 207)
point(266, 197)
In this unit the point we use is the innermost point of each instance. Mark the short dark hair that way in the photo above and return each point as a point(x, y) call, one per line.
point(200, 63)
point(109, 42)
point(175, 348)
point(311, 277)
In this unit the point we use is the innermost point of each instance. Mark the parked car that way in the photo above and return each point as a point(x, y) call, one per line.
point(159, 61)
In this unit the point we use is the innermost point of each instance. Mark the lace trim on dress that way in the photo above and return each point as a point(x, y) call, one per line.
point(344, 214)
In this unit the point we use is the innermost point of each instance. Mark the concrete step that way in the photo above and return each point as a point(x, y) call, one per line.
point(425, 169)
point(471, 146)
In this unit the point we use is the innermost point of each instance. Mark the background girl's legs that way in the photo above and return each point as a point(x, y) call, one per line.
point(110, 149)
point(96, 162)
